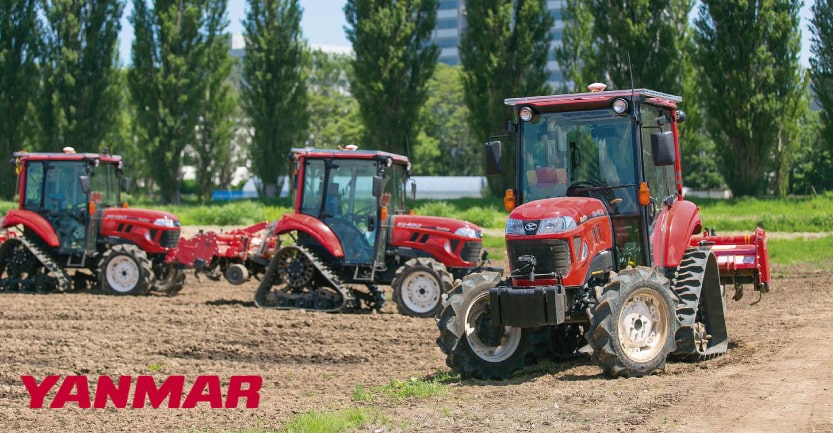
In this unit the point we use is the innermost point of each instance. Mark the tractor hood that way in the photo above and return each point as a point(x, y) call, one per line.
point(577, 209)
point(148, 216)
point(451, 226)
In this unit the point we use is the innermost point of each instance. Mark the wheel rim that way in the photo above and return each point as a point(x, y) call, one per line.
point(509, 340)
point(643, 325)
point(421, 292)
point(295, 269)
point(122, 274)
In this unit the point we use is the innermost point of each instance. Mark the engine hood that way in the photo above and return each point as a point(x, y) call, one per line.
point(148, 216)
point(580, 209)
point(439, 224)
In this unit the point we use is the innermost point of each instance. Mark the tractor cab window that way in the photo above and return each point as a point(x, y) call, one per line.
point(394, 195)
point(580, 153)
point(104, 182)
point(313, 189)
point(34, 186)
point(63, 186)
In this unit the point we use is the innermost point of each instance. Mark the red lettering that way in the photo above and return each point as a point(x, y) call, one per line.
point(38, 392)
point(170, 388)
point(251, 394)
point(214, 396)
point(117, 394)
point(64, 395)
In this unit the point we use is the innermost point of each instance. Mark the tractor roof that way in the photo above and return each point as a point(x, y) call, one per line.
point(348, 154)
point(591, 99)
point(57, 156)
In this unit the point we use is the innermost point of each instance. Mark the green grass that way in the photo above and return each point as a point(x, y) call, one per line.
point(335, 422)
point(818, 251)
point(413, 388)
point(804, 214)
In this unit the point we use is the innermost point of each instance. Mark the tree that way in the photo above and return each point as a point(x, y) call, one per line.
point(642, 39)
point(333, 111)
point(168, 83)
point(752, 87)
point(274, 88)
point(217, 123)
point(504, 52)
point(19, 48)
point(577, 53)
point(821, 66)
point(80, 98)
point(394, 60)
point(446, 146)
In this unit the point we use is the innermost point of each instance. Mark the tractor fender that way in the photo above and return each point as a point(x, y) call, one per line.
point(32, 221)
point(313, 227)
point(673, 229)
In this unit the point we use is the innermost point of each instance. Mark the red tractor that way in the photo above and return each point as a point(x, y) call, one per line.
point(603, 249)
point(351, 226)
point(71, 230)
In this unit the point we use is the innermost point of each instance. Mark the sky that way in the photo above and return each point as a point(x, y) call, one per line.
point(323, 23)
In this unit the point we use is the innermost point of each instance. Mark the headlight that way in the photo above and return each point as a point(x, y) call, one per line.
point(556, 225)
point(467, 232)
point(166, 222)
point(514, 227)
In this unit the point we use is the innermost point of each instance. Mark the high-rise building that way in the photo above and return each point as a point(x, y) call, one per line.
point(451, 21)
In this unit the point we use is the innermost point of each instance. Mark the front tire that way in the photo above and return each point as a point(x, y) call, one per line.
point(473, 345)
point(633, 326)
point(418, 286)
point(125, 270)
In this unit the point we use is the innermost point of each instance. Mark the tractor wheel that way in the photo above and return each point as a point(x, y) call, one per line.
point(169, 280)
point(125, 270)
point(473, 345)
point(418, 287)
point(236, 274)
point(633, 325)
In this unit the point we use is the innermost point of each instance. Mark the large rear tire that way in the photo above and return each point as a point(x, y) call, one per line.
point(418, 286)
point(473, 345)
point(633, 326)
point(125, 270)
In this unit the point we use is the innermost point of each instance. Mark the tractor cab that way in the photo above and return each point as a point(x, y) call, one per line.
point(66, 189)
point(352, 193)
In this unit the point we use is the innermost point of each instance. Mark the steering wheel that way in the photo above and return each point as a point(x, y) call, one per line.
point(605, 194)
point(360, 216)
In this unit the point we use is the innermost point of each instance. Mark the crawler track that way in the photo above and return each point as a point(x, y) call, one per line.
point(25, 267)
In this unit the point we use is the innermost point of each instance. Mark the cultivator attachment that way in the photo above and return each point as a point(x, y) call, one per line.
point(740, 259)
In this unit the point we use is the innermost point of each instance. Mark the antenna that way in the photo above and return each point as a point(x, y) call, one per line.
point(630, 69)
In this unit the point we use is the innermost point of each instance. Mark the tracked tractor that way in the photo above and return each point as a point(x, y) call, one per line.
point(351, 230)
point(605, 254)
point(72, 231)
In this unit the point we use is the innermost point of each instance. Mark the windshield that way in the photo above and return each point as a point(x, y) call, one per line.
point(566, 153)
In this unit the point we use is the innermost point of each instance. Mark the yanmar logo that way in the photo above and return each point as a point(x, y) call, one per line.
point(75, 391)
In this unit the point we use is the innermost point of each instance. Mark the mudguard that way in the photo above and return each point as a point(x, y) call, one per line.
point(314, 227)
point(33, 221)
point(673, 229)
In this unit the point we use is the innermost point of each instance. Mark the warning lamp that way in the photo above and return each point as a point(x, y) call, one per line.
point(509, 202)
point(596, 87)
point(644, 194)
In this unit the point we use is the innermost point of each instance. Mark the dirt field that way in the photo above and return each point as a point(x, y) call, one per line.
point(776, 377)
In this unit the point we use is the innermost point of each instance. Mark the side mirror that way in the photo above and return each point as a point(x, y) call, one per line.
point(85, 184)
point(377, 186)
point(494, 162)
point(413, 190)
point(662, 148)
point(127, 184)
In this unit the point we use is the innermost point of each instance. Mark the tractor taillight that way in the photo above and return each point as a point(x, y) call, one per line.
point(644, 194)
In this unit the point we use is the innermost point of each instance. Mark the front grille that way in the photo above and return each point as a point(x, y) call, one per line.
point(169, 238)
point(551, 255)
point(471, 251)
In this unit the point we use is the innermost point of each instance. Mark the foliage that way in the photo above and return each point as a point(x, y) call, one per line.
point(394, 58)
point(413, 388)
point(752, 89)
point(334, 422)
point(168, 82)
point(446, 146)
point(577, 54)
point(274, 89)
point(810, 172)
point(238, 213)
point(504, 51)
point(212, 146)
point(19, 49)
point(333, 112)
point(821, 68)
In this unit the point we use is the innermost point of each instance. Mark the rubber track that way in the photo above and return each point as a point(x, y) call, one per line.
point(63, 281)
point(271, 277)
point(688, 285)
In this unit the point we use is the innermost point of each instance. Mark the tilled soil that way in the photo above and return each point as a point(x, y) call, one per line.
point(777, 375)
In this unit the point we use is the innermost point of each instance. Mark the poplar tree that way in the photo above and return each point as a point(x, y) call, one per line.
point(752, 88)
point(274, 90)
point(19, 49)
point(503, 52)
point(821, 66)
point(394, 59)
point(80, 98)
